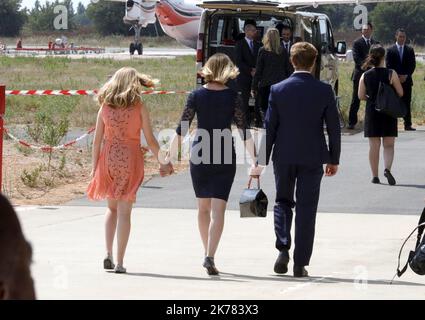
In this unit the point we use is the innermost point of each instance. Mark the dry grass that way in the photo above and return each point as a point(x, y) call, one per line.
point(62, 73)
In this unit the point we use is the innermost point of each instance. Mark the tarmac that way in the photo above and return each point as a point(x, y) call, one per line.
point(355, 257)
point(360, 228)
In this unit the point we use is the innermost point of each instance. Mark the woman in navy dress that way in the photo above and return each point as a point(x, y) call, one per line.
point(378, 127)
point(213, 158)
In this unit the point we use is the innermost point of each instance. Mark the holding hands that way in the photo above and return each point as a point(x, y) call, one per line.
point(165, 165)
point(166, 169)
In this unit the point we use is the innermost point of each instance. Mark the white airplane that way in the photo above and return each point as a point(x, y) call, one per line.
point(180, 19)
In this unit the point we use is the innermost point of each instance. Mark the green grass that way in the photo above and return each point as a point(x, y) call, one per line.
point(175, 74)
point(61, 73)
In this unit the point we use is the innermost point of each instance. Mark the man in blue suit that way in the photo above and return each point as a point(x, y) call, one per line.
point(298, 108)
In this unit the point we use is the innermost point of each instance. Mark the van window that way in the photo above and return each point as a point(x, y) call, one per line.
point(219, 31)
point(225, 29)
point(331, 37)
point(307, 28)
point(324, 34)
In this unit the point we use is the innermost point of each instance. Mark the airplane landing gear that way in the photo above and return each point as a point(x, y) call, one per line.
point(136, 47)
point(137, 44)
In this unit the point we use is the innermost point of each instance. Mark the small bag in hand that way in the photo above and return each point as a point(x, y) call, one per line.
point(253, 202)
point(388, 102)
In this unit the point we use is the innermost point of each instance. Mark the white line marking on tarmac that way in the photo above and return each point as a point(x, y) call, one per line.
point(303, 285)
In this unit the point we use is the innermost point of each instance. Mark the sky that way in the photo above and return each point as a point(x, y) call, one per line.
point(30, 3)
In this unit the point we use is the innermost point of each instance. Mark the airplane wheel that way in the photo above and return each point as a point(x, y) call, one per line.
point(132, 48)
point(140, 49)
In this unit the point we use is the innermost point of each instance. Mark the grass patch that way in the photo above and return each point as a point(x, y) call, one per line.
point(174, 74)
point(24, 73)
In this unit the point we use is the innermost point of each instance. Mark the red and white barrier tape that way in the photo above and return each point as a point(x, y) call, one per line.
point(77, 92)
point(48, 148)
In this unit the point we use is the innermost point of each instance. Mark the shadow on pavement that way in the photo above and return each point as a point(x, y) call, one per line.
point(272, 277)
point(419, 186)
point(164, 276)
point(324, 279)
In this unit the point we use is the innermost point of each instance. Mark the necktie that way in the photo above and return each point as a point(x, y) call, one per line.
point(286, 47)
point(368, 43)
point(400, 52)
point(251, 46)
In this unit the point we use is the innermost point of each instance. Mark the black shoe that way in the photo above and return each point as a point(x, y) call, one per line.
point(390, 178)
point(351, 127)
point(409, 129)
point(210, 266)
point(376, 180)
point(281, 264)
point(300, 272)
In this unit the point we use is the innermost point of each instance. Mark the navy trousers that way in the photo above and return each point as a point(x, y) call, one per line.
point(306, 181)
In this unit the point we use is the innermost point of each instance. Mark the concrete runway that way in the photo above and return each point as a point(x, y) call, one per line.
point(114, 53)
point(348, 192)
point(360, 228)
point(355, 257)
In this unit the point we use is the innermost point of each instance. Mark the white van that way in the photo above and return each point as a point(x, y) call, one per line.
point(222, 24)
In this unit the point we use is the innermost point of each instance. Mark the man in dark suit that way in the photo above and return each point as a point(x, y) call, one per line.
point(286, 36)
point(287, 42)
point(402, 59)
point(298, 108)
point(361, 49)
point(246, 52)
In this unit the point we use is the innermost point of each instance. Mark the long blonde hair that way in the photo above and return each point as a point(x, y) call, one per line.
point(271, 41)
point(124, 88)
point(219, 68)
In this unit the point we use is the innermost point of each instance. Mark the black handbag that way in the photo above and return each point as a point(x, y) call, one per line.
point(416, 259)
point(253, 202)
point(388, 102)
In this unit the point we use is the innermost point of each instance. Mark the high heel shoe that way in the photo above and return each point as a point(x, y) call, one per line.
point(210, 266)
point(108, 262)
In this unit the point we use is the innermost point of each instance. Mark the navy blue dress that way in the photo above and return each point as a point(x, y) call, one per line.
point(213, 157)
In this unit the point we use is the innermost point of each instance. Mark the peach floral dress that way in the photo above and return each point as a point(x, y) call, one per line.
point(120, 168)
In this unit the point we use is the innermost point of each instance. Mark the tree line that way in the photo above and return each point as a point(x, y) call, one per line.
point(106, 18)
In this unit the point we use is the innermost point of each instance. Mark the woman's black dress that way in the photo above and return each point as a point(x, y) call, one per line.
point(213, 157)
point(377, 124)
point(271, 68)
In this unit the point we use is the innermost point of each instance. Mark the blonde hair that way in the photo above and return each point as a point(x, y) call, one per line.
point(219, 68)
point(271, 41)
point(124, 88)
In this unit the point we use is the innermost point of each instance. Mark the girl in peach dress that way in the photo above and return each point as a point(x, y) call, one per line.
point(118, 162)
